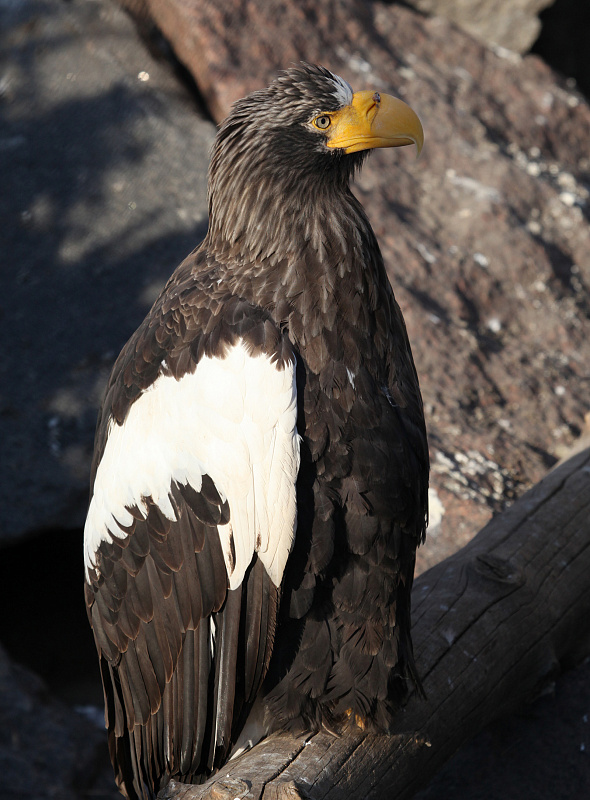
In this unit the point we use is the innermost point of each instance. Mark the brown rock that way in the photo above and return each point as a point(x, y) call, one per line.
point(486, 236)
point(233, 48)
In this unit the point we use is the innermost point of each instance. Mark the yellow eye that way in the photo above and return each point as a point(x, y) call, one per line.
point(322, 122)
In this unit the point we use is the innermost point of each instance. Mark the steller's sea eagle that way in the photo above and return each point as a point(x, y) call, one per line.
point(259, 484)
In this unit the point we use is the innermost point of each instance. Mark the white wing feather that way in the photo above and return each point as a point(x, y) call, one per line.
point(234, 419)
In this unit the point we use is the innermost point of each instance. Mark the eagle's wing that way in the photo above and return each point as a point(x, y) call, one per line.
point(191, 520)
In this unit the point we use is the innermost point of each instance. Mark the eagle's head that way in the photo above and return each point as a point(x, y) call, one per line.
point(282, 149)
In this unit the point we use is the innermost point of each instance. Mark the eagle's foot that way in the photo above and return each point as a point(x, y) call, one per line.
point(356, 719)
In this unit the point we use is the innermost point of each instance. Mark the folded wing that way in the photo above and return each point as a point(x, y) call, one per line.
point(190, 524)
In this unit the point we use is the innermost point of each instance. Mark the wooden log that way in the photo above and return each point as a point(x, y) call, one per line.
point(492, 626)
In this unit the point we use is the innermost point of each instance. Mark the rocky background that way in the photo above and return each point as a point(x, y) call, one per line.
point(107, 120)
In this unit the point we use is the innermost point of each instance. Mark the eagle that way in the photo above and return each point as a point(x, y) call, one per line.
point(260, 475)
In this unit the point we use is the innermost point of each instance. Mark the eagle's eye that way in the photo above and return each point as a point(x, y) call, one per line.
point(322, 122)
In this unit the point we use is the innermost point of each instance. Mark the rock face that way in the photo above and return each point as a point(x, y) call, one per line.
point(97, 208)
point(513, 24)
point(486, 236)
point(46, 750)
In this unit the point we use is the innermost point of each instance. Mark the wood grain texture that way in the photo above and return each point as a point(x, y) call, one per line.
point(492, 625)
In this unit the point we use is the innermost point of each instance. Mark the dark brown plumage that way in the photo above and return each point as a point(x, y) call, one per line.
point(261, 467)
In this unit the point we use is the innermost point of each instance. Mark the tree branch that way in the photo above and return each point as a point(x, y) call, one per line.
point(492, 625)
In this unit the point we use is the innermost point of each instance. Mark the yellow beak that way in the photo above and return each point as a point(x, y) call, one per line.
point(372, 120)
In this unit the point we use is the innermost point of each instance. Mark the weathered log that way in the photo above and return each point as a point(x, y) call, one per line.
point(492, 626)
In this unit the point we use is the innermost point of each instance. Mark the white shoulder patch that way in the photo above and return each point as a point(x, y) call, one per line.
point(233, 419)
point(342, 90)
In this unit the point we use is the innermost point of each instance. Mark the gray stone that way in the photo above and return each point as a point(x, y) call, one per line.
point(513, 24)
point(103, 161)
point(47, 751)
